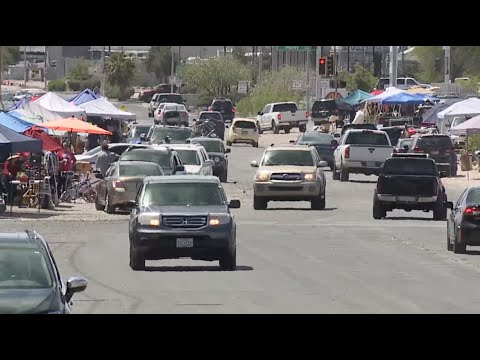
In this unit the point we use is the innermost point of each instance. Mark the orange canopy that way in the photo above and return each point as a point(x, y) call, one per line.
point(75, 125)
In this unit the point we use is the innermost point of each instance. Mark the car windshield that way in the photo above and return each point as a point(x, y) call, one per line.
point(139, 130)
point(25, 268)
point(314, 138)
point(366, 138)
point(174, 108)
point(211, 146)
point(183, 193)
point(188, 157)
point(93, 151)
point(161, 158)
point(328, 105)
point(404, 142)
point(244, 124)
point(288, 157)
point(170, 99)
point(210, 115)
point(139, 170)
point(410, 167)
point(435, 143)
point(159, 134)
point(222, 105)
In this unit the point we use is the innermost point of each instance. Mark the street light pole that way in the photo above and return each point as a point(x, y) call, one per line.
point(308, 80)
point(25, 64)
point(446, 71)
point(172, 71)
point(46, 66)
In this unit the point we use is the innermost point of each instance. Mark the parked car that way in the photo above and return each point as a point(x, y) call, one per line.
point(243, 130)
point(216, 151)
point(182, 216)
point(194, 158)
point(463, 222)
point(158, 134)
point(30, 282)
point(121, 182)
point(91, 155)
point(225, 107)
point(325, 144)
point(161, 98)
point(165, 157)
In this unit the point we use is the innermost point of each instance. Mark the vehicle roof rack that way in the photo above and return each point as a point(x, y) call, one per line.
point(411, 155)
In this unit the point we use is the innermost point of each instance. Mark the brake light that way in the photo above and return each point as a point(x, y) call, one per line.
point(118, 185)
point(347, 152)
point(395, 151)
point(418, 149)
point(279, 116)
point(210, 109)
point(233, 110)
point(306, 114)
point(471, 210)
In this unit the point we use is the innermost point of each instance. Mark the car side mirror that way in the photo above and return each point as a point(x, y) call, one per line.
point(209, 162)
point(226, 126)
point(448, 205)
point(442, 174)
point(131, 204)
point(228, 151)
point(75, 285)
point(180, 168)
point(322, 164)
point(292, 141)
point(260, 113)
point(99, 176)
point(234, 204)
point(254, 164)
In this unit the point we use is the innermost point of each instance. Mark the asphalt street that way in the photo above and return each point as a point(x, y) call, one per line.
point(290, 259)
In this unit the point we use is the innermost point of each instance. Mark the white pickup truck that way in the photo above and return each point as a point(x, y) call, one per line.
point(282, 115)
point(361, 151)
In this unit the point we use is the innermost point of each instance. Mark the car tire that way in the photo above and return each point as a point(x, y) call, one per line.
point(302, 128)
point(229, 143)
point(109, 208)
point(439, 212)
point(318, 203)
point(137, 261)
point(98, 206)
point(459, 248)
point(449, 244)
point(344, 175)
point(223, 177)
point(150, 114)
point(453, 172)
point(330, 165)
point(259, 203)
point(335, 173)
point(275, 128)
point(228, 262)
point(260, 131)
point(255, 144)
point(379, 211)
point(287, 130)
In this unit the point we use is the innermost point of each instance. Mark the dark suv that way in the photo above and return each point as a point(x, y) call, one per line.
point(182, 216)
point(440, 148)
point(224, 107)
point(166, 158)
point(30, 282)
point(217, 152)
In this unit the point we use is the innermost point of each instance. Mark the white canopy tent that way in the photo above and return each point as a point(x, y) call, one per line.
point(387, 93)
point(103, 108)
point(57, 106)
point(468, 107)
point(469, 127)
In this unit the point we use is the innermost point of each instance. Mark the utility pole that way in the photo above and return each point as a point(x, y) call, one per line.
point(224, 51)
point(393, 65)
point(172, 70)
point(308, 80)
point(102, 82)
point(335, 69)
point(260, 63)
point(447, 64)
point(348, 59)
point(25, 64)
point(179, 56)
point(46, 67)
point(317, 70)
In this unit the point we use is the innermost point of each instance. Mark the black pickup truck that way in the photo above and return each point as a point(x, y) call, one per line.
point(410, 182)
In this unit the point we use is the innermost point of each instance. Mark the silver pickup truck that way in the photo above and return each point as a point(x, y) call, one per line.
point(282, 115)
point(361, 152)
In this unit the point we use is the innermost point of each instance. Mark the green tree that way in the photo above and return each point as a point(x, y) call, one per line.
point(79, 71)
point(361, 79)
point(238, 53)
point(120, 72)
point(10, 56)
point(216, 75)
point(159, 61)
point(429, 58)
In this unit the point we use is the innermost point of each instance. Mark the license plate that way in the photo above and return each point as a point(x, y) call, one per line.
point(184, 242)
point(244, 132)
point(407, 198)
point(371, 164)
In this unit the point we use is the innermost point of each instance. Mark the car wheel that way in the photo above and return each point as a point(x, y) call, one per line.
point(109, 208)
point(137, 261)
point(449, 242)
point(223, 177)
point(459, 248)
point(260, 131)
point(440, 212)
point(453, 172)
point(259, 203)
point(150, 115)
point(379, 211)
point(275, 128)
point(335, 173)
point(344, 175)
point(287, 130)
point(228, 262)
point(98, 206)
point(229, 143)
point(255, 144)
point(318, 203)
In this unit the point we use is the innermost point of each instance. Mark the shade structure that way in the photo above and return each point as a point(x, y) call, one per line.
point(403, 99)
point(357, 97)
point(376, 92)
point(16, 124)
point(419, 90)
point(430, 117)
point(56, 105)
point(75, 125)
point(388, 92)
point(48, 144)
point(471, 126)
point(101, 107)
point(85, 96)
point(12, 142)
point(469, 107)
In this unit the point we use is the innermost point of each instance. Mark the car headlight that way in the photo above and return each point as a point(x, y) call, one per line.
point(219, 219)
point(310, 177)
point(262, 176)
point(216, 159)
point(149, 219)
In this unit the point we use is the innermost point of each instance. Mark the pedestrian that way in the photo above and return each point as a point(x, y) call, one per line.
point(105, 158)
point(10, 169)
point(359, 117)
point(66, 162)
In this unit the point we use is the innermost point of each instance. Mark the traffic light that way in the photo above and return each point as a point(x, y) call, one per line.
point(322, 66)
point(330, 66)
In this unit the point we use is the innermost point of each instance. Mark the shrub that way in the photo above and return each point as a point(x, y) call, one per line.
point(114, 92)
point(91, 83)
point(473, 143)
point(57, 85)
point(75, 85)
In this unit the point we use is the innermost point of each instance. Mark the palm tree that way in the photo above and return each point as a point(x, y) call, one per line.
point(120, 72)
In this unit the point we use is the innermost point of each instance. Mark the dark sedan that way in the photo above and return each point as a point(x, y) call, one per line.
point(463, 223)
point(325, 144)
point(30, 282)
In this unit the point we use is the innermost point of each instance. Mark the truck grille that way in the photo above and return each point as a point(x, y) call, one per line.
point(286, 177)
point(190, 222)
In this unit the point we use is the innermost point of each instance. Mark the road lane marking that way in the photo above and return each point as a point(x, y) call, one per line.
point(339, 224)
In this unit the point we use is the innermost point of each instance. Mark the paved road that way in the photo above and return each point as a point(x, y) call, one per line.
point(291, 259)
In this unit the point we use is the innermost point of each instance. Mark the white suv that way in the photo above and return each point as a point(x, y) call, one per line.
point(194, 157)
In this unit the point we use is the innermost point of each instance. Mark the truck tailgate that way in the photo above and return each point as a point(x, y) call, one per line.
point(370, 153)
point(289, 116)
point(407, 185)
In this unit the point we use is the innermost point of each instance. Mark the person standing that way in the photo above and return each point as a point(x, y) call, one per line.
point(105, 158)
point(66, 162)
point(359, 117)
point(10, 169)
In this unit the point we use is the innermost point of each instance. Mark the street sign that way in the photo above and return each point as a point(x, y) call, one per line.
point(324, 83)
point(295, 48)
point(242, 87)
point(297, 85)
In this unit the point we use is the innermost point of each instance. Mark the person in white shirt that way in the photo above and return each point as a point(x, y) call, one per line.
point(359, 117)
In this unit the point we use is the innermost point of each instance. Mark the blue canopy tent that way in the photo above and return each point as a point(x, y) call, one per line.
point(430, 116)
point(403, 99)
point(19, 105)
point(357, 97)
point(85, 96)
point(14, 123)
point(11, 142)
